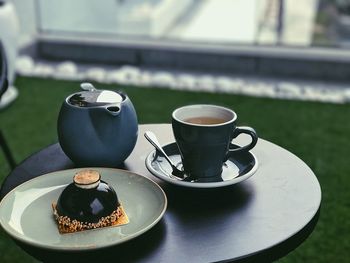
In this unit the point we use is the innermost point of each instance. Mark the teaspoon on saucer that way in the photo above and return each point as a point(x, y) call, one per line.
point(151, 137)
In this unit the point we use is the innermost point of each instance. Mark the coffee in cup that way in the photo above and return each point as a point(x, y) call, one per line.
point(203, 134)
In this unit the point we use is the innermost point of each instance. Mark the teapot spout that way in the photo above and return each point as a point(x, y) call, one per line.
point(114, 110)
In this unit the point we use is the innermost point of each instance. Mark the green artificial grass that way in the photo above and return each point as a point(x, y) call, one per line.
point(317, 133)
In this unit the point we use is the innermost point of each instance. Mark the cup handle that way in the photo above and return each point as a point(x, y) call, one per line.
point(247, 130)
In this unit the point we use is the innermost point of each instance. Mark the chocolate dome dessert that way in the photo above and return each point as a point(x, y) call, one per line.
point(88, 203)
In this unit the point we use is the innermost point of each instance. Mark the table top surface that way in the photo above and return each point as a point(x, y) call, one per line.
point(260, 219)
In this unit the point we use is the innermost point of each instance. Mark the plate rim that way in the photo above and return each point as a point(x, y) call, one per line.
point(203, 185)
point(87, 248)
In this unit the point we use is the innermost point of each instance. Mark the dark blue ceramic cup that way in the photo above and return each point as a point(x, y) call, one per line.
point(203, 134)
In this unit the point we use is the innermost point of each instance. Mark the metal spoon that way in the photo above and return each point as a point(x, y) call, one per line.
point(151, 137)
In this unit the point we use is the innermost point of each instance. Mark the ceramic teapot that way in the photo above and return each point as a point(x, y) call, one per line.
point(97, 127)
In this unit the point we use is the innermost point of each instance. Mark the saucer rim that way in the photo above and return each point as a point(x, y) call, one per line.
point(202, 185)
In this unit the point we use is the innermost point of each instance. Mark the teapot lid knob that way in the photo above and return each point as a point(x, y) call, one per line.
point(87, 86)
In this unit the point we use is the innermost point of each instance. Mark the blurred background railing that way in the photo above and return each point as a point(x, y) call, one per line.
point(302, 38)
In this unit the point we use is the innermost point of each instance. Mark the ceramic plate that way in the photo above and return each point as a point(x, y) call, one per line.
point(26, 214)
point(239, 167)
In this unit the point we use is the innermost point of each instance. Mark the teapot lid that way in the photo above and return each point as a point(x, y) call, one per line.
point(92, 97)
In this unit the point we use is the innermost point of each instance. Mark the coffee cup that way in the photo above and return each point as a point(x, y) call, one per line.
point(204, 135)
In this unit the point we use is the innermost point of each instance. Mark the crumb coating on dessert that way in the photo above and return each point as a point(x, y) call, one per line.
point(67, 225)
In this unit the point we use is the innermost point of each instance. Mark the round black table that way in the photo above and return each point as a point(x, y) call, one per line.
point(258, 220)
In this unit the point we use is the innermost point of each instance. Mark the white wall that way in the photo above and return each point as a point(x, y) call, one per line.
point(27, 19)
